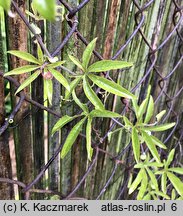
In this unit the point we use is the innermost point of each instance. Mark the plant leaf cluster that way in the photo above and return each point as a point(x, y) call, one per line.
point(86, 76)
point(145, 145)
point(38, 66)
point(149, 163)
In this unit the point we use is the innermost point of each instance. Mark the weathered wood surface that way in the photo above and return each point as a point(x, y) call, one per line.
point(18, 40)
point(113, 23)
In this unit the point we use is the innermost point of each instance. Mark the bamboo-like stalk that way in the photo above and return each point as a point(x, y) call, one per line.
point(5, 162)
point(68, 173)
point(54, 37)
point(17, 40)
point(38, 116)
point(87, 28)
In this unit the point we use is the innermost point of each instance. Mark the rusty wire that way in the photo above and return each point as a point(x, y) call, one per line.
point(151, 67)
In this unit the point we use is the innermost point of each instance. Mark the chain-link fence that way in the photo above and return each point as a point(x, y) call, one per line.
point(148, 33)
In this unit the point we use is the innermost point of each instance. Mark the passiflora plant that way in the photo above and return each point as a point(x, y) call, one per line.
point(154, 178)
point(144, 144)
point(39, 66)
point(153, 175)
point(87, 73)
point(87, 77)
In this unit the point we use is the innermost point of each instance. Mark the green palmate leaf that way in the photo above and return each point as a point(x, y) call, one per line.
point(163, 182)
point(73, 85)
point(158, 142)
point(170, 158)
point(142, 109)
point(62, 122)
point(160, 127)
point(143, 186)
point(104, 114)
point(160, 115)
point(150, 144)
point(40, 53)
point(87, 53)
point(48, 87)
point(5, 4)
point(21, 70)
point(110, 86)
point(56, 64)
point(88, 137)
point(24, 55)
point(135, 144)
point(90, 94)
point(159, 193)
point(176, 182)
point(28, 81)
point(136, 182)
point(153, 179)
point(78, 102)
point(72, 137)
point(76, 62)
point(106, 65)
point(178, 170)
point(60, 78)
point(46, 8)
point(150, 110)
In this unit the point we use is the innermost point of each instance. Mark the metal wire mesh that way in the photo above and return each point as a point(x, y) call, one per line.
point(166, 94)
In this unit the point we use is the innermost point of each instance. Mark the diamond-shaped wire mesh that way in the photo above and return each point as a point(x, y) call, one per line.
point(148, 33)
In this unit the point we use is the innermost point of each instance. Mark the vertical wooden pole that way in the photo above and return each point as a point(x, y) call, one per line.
point(5, 162)
point(17, 40)
point(38, 119)
point(54, 37)
point(68, 165)
point(6, 190)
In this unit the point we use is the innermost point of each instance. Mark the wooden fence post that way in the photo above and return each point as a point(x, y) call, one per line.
point(6, 190)
point(17, 40)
